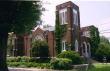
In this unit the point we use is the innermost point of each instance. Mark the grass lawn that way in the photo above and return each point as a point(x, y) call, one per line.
point(100, 67)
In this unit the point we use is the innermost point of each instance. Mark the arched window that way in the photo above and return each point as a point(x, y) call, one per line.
point(85, 53)
point(75, 17)
point(83, 48)
point(63, 45)
point(88, 49)
point(76, 45)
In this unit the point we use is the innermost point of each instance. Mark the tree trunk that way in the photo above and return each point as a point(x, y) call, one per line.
point(3, 51)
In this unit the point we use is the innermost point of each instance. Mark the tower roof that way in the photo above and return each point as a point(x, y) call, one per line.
point(65, 5)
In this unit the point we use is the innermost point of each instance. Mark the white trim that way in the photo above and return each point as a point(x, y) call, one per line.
point(63, 45)
point(76, 46)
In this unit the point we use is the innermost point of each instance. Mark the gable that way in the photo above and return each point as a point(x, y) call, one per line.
point(38, 34)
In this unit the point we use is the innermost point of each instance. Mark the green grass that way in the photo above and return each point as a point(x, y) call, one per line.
point(100, 67)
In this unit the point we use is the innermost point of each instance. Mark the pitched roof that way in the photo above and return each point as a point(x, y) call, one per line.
point(86, 28)
point(50, 28)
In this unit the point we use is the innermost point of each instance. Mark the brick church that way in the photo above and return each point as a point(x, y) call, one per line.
point(74, 37)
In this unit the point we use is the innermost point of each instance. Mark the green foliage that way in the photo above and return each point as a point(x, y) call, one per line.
point(13, 64)
point(61, 63)
point(39, 60)
point(104, 40)
point(103, 51)
point(28, 64)
point(11, 59)
point(18, 16)
point(39, 49)
point(94, 39)
point(58, 34)
point(28, 59)
point(74, 56)
point(18, 59)
point(63, 29)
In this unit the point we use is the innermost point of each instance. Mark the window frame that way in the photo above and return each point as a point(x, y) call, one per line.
point(75, 17)
point(63, 16)
point(63, 45)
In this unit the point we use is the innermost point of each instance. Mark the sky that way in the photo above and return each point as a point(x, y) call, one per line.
point(92, 12)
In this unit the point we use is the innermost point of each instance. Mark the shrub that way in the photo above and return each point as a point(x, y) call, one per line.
point(28, 64)
point(18, 59)
point(13, 59)
point(39, 49)
point(60, 63)
point(28, 59)
point(39, 60)
point(25, 59)
point(13, 64)
point(74, 56)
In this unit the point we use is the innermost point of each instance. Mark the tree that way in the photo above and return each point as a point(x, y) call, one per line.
point(103, 51)
point(18, 17)
point(58, 34)
point(94, 39)
point(40, 49)
point(104, 39)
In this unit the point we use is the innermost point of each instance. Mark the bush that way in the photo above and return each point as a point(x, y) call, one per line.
point(28, 59)
point(39, 49)
point(18, 59)
point(14, 59)
point(74, 56)
point(13, 64)
point(11, 59)
point(39, 60)
point(28, 64)
point(24, 59)
point(61, 63)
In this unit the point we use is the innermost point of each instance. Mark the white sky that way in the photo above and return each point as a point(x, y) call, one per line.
point(92, 12)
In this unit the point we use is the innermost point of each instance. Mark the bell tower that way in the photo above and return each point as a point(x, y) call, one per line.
point(69, 16)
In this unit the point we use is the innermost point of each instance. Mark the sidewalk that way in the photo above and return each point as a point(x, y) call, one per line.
point(29, 69)
point(34, 69)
